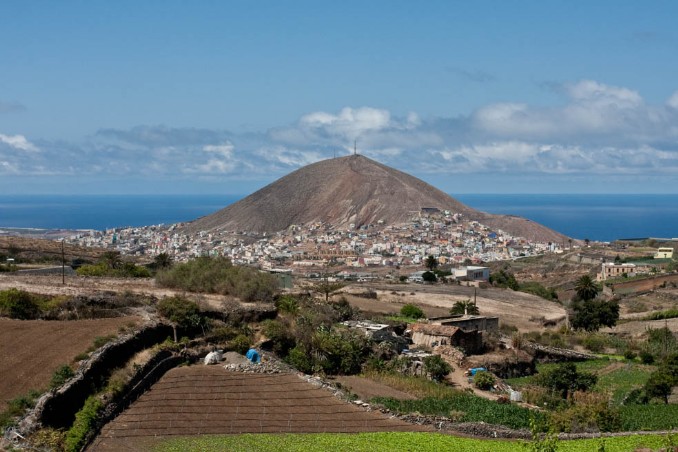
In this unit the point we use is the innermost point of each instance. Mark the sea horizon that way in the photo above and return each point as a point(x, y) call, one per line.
point(600, 217)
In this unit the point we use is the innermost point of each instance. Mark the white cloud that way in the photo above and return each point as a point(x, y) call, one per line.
point(599, 129)
point(18, 142)
point(673, 100)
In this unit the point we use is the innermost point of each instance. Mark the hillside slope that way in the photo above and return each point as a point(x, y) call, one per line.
point(350, 190)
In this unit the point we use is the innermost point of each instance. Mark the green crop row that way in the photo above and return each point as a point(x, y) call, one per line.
point(392, 441)
point(464, 407)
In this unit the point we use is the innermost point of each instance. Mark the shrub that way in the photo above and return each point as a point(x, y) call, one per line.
point(85, 421)
point(594, 343)
point(288, 304)
point(589, 412)
point(282, 339)
point(411, 311)
point(300, 359)
point(436, 367)
point(646, 357)
point(241, 344)
point(219, 275)
point(630, 355)
point(60, 376)
point(18, 304)
point(16, 408)
point(483, 380)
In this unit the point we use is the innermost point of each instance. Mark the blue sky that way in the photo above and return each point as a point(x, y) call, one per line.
point(225, 97)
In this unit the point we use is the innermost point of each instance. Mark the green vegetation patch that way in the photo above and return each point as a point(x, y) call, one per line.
point(464, 407)
point(392, 441)
point(219, 275)
point(649, 417)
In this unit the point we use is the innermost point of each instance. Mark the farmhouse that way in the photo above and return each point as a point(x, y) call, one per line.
point(468, 322)
point(472, 273)
point(432, 335)
point(664, 253)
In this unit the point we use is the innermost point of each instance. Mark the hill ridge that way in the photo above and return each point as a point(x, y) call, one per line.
point(350, 190)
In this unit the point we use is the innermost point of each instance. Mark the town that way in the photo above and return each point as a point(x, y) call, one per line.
point(447, 236)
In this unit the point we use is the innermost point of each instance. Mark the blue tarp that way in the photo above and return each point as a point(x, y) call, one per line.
point(253, 355)
point(475, 370)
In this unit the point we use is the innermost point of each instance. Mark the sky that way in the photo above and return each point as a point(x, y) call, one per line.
point(224, 97)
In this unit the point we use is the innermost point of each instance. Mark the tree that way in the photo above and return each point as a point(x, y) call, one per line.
point(465, 307)
point(436, 367)
point(564, 380)
point(586, 288)
point(429, 277)
point(660, 384)
point(503, 278)
point(327, 288)
point(180, 313)
point(431, 263)
point(111, 259)
point(591, 315)
point(162, 261)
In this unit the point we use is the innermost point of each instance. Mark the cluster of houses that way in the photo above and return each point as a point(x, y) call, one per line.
point(464, 332)
point(446, 236)
point(613, 270)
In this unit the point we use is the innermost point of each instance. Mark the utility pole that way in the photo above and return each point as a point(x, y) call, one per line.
point(63, 264)
point(355, 147)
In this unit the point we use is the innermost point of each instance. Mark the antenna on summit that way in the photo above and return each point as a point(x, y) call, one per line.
point(355, 147)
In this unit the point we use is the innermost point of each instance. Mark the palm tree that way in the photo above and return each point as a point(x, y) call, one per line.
point(465, 307)
point(162, 260)
point(431, 263)
point(586, 288)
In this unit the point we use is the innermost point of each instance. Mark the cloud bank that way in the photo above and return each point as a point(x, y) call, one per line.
point(598, 130)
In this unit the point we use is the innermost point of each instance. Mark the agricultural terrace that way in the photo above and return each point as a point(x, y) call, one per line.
point(31, 350)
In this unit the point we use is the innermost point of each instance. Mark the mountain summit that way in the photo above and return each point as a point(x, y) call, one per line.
point(351, 190)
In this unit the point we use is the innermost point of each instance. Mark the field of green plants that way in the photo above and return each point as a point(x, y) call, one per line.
point(392, 441)
point(614, 378)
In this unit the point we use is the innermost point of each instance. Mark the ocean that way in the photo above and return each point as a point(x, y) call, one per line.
point(595, 217)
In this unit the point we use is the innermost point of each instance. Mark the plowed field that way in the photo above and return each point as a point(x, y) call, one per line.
point(201, 400)
point(31, 350)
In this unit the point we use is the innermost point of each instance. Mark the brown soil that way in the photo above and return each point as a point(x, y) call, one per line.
point(367, 389)
point(81, 285)
point(31, 350)
point(200, 400)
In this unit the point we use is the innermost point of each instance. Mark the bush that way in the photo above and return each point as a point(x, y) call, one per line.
point(17, 407)
point(412, 311)
point(85, 421)
point(436, 367)
point(280, 335)
point(630, 355)
point(483, 380)
point(646, 357)
point(241, 344)
point(61, 376)
point(219, 275)
point(590, 412)
point(594, 343)
point(18, 304)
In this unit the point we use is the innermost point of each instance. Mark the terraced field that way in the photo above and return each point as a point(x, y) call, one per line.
point(203, 400)
point(31, 350)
